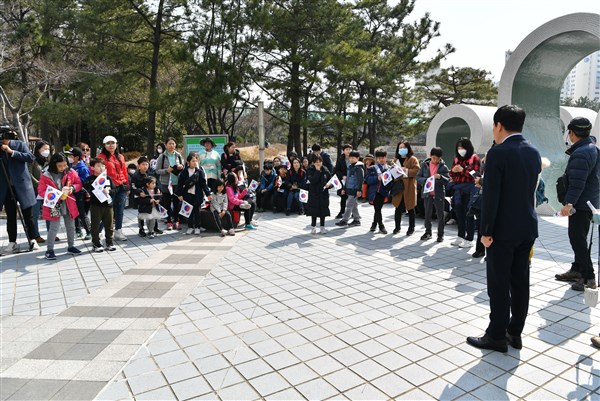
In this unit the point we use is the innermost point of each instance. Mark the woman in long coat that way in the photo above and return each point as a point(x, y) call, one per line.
point(406, 199)
point(318, 194)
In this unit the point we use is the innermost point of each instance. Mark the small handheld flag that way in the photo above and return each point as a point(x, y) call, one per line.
point(429, 185)
point(100, 182)
point(186, 209)
point(163, 212)
point(335, 183)
point(51, 197)
point(303, 196)
point(253, 185)
point(170, 186)
point(386, 177)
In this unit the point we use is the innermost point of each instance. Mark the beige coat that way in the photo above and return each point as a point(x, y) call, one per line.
point(410, 185)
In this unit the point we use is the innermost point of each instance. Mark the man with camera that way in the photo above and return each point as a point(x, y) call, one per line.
point(581, 183)
point(15, 185)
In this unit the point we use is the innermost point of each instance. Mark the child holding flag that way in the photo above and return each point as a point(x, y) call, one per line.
point(379, 182)
point(66, 181)
point(433, 177)
point(101, 190)
point(149, 203)
point(191, 190)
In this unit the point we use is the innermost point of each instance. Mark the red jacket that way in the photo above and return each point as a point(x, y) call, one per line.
point(116, 169)
point(72, 178)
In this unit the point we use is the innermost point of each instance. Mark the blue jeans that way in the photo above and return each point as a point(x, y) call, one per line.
point(294, 196)
point(119, 207)
point(461, 198)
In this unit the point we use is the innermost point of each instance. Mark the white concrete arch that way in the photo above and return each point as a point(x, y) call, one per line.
point(461, 120)
point(534, 75)
point(569, 113)
point(596, 126)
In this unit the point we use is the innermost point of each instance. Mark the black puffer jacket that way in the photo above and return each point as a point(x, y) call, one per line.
point(583, 174)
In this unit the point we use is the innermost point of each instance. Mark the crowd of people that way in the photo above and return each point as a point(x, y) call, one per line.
point(210, 190)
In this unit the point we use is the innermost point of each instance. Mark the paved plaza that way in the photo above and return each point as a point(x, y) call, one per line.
point(281, 314)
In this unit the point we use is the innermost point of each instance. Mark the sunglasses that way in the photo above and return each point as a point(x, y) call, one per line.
point(110, 143)
point(85, 149)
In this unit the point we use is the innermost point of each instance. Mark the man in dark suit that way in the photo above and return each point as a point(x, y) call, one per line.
point(508, 228)
point(15, 155)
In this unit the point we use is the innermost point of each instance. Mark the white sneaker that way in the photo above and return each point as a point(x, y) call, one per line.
point(231, 232)
point(202, 229)
point(466, 244)
point(314, 230)
point(119, 236)
point(457, 242)
point(323, 230)
point(34, 246)
point(223, 233)
point(254, 223)
point(197, 231)
point(189, 231)
point(10, 248)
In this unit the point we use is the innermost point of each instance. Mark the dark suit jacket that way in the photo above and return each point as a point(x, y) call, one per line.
point(511, 175)
point(18, 172)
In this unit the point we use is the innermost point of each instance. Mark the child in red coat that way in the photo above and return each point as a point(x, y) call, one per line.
point(59, 176)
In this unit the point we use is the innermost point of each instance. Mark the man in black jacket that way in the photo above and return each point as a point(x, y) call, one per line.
point(509, 228)
point(583, 178)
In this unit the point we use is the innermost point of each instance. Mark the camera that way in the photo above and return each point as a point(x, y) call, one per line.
point(7, 133)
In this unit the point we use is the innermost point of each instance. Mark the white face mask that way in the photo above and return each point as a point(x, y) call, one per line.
point(131, 171)
point(462, 152)
point(45, 153)
point(71, 160)
point(159, 151)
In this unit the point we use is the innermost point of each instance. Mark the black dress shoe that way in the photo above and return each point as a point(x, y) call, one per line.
point(478, 254)
point(514, 341)
point(487, 342)
point(339, 215)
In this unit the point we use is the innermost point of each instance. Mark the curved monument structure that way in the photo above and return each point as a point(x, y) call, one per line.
point(533, 77)
point(458, 120)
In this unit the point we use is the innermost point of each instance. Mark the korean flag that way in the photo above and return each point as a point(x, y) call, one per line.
point(186, 209)
point(303, 196)
point(386, 177)
point(163, 212)
point(52, 197)
point(429, 185)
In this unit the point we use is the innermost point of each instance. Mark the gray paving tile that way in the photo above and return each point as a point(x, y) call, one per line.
point(9, 386)
point(49, 351)
point(38, 390)
point(79, 390)
point(82, 352)
point(163, 393)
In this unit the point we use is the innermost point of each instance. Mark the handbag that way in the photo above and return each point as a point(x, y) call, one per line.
point(562, 186)
point(397, 187)
point(474, 207)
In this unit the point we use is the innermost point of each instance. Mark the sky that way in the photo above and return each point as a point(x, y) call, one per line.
point(483, 30)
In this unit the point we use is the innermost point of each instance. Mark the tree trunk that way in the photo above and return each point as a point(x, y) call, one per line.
point(153, 97)
point(295, 110)
point(372, 127)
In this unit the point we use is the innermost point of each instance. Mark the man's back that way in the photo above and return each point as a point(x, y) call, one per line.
point(511, 175)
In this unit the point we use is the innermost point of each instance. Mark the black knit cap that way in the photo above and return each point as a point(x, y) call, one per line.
point(581, 126)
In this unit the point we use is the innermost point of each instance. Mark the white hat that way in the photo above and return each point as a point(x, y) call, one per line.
point(109, 138)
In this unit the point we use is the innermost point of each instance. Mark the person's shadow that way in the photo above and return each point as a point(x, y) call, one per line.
point(471, 381)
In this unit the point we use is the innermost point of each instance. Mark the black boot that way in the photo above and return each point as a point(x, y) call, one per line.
point(411, 222)
point(373, 227)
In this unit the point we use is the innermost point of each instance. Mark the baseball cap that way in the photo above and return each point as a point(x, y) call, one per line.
point(75, 152)
point(109, 138)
